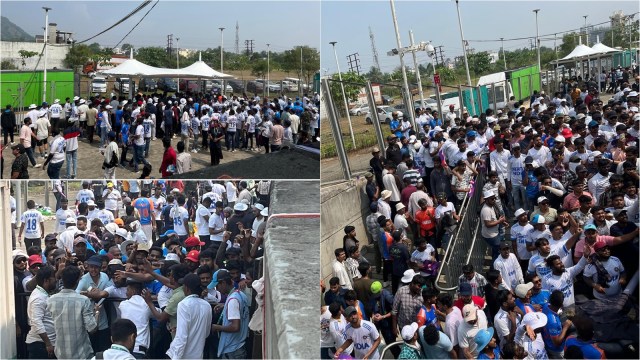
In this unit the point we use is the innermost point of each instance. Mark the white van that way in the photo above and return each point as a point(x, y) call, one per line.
point(297, 84)
point(98, 84)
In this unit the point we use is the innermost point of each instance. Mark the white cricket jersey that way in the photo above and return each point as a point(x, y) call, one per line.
point(84, 196)
point(178, 214)
point(510, 270)
point(564, 282)
point(31, 220)
point(363, 338)
point(615, 268)
point(538, 263)
point(61, 218)
point(520, 234)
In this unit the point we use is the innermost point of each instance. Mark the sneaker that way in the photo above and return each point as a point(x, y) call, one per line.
point(37, 165)
point(154, 139)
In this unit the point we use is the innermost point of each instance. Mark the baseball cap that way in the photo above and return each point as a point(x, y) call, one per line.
point(590, 227)
point(520, 212)
point(94, 260)
point(143, 247)
point(169, 232)
point(70, 220)
point(193, 241)
point(538, 219)
point(408, 331)
point(240, 207)
point(220, 275)
point(488, 194)
point(79, 238)
point(505, 244)
point(20, 147)
point(528, 160)
point(465, 289)
point(91, 203)
point(122, 232)
point(469, 312)
point(35, 259)
point(618, 212)
point(232, 250)
point(535, 320)
point(115, 262)
point(349, 311)
point(172, 257)
point(264, 212)
point(258, 206)
point(523, 289)
point(376, 287)
point(193, 255)
point(483, 337)
point(50, 237)
point(599, 245)
point(541, 199)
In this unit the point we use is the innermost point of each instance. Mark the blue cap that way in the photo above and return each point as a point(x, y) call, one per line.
point(465, 289)
point(472, 133)
point(593, 123)
point(219, 275)
point(590, 227)
point(168, 232)
point(483, 337)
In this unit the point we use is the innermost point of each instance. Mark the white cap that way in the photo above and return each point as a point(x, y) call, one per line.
point(91, 203)
point(258, 206)
point(519, 212)
point(265, 212)
point(112, 228)
point(399, 206)
point(633, 94)
point(469, 312)
point(535, 320)
point(76, 98)
point(412, 139)
point(385, 194)
point(56, 101)
point(437, 129)
point(522, 289)
point(115, 262)
point(240, 207)
point(408, 275)
point(32, 106)
point(408, 331)
point(108, 107)
point(488, 193)
point(541, 199)
point(560, 138)
point(70, 220)
point(633, 109)
point(82, 101)
point(122, 232)
point(172, 257)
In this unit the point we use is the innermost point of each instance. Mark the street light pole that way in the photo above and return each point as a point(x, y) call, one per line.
point(464, 52)
point(46, 39)
point(268, 56)
point(404, 70)
point(344, 97)
point(538, 48)
point(504, 57)
point(586, 33)
point(178, 63)
point(222, 58)
point(415, 64)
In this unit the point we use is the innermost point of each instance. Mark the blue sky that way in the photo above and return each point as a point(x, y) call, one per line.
point(347, 22)
point(283, 24)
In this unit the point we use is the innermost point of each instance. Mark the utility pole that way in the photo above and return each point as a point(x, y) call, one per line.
point(586, 32)
point(222, 84)
point(504, 58)
point(538, 46)
point(237, 38)
point(464, 52)
point(441, 54)
point(404, 70)
point(354, 63)
point(46, 39)
point(417, 69)
point(435, 50)
point(268, 56)
point(178, 62)
point(344, 96)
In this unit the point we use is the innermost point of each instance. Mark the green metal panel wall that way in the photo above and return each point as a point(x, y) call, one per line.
point(523, 90)
point(59, 85)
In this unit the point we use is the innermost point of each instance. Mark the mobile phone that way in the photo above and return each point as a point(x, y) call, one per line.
point(100, 302)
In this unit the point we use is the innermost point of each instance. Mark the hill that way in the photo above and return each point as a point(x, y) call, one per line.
point(13, 32)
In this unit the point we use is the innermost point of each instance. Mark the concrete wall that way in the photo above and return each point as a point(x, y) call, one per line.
point(342, 204)
point(55, 54)
point(7, 307)
point(291, 270)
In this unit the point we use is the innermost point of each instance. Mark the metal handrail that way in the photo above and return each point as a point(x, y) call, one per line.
point(467, 228)
point(389, 347)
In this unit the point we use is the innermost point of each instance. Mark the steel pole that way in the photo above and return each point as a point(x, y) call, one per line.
point(178, 63)
point(404, 70)
point(223, 85)
point(46, 39)
point(415, 64)
point(268, 55)
point(538, 50)
point(464, 52)
point(344, 96)
point(332, 114)
point(504, 57)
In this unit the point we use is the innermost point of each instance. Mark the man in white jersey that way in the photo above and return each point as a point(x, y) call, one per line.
point(56, 114)
point(508, 265)
point(106, 216)
point(232, 193)
point(111, 197)
point(611, 287)
point(62, 214)
point(216, 227)
point(362, 334)
point(202, 220)
point(32, 226)
point(562, 279)
point(180, 217)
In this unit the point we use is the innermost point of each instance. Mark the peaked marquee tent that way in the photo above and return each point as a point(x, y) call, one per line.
point(197, 70)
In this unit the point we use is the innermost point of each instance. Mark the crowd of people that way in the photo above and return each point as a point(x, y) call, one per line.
point(126, 129)
point(142, 269)
point(558, 213)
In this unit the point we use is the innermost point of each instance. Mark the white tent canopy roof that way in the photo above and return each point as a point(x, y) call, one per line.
point(133, 67)
point(580, 51)
point(602, 48)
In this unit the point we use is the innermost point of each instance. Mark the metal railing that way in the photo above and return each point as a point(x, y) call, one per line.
point(465, 241)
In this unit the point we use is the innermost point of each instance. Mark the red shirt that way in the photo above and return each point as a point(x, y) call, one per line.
point(477, 300)
point(169, 158)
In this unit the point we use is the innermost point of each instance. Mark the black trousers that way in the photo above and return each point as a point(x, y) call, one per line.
point(8, 132)
point(386, 269)
point(215, 150)
point(32, 242)
point(37, 350)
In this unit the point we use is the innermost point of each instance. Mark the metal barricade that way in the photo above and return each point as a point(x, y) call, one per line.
point(465, 247)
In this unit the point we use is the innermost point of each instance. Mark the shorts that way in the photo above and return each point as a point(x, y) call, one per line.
point(41, 142)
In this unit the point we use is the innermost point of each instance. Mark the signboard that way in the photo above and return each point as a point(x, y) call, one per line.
point(436, 80)
point(362, 95)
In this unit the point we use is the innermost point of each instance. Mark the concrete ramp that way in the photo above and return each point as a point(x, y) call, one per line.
point(292, 272)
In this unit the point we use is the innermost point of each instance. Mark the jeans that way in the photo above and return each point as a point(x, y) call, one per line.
point(37, 350)
point(494, 242)
point(230, 140)
point(58, 197)
point(241, 353)
point(72, 158)
point(195, 141)
point(32, 158)
point(519, 194)
point(147, 143)
point(7, 132)
point(103, 136)
point(138, 156)
point(53, 170)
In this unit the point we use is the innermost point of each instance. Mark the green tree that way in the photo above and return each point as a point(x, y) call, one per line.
point(153, 56)
point(352, 84)
point(447, 76)
point(621, 34)
point(24, 55)
point(125, 48)
point(259, 69)
point(569, 42)
point(78, 55)
point(479, 63)
point(95, 47)
point(302, 60)
point(7, 65)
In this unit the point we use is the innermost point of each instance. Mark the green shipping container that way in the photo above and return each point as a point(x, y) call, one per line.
point(22, 88)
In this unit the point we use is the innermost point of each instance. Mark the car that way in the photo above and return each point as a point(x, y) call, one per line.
point(216, 84)
point(99, 84)
point(236, 85)
point(387, 100)
point(148, 84)
point(189, 85)
point(359, 110)
point(384, 114)
point(428, 103)
point(122, 85)
point(289, 86)
point(272, 86)
point(255, 87)
point(167, 84)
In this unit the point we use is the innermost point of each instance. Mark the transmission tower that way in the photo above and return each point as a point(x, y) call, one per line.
point(249, 47)
point(170, 44)
point(354, 63)
point(441, 53)
point(376, 62)
point(237, 38)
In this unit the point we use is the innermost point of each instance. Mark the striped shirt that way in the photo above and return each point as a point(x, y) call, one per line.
point(74, 318)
